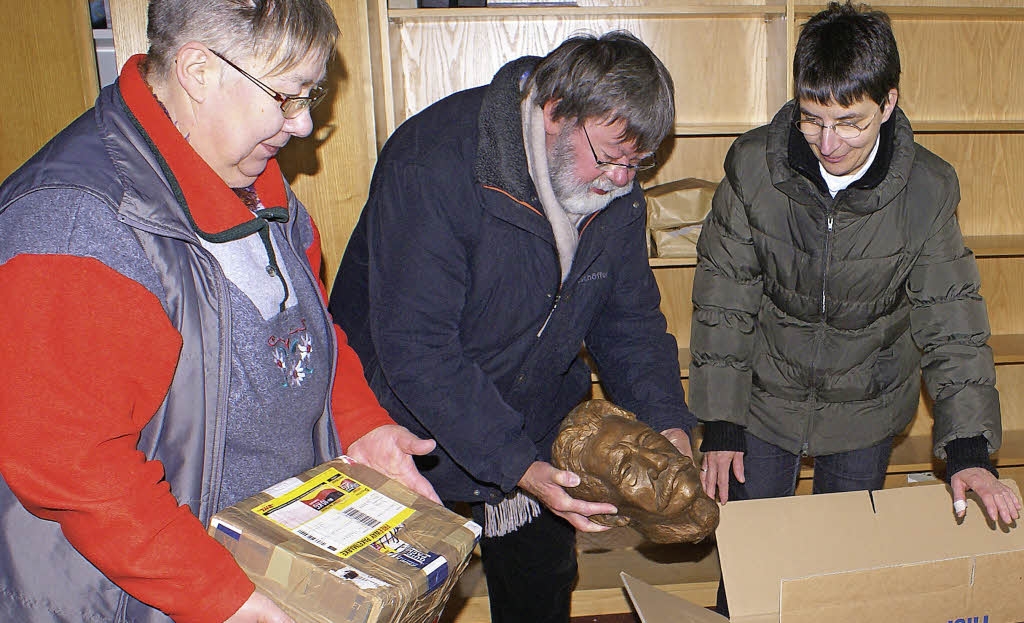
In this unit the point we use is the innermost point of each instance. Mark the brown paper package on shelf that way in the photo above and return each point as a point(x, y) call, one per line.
point(341, 543)
point(675, 211)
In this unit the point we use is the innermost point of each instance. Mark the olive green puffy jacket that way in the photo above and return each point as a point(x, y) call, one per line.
point(815, 317)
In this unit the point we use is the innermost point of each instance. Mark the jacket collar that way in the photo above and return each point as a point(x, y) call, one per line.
point(794, 169)
point(213, 210)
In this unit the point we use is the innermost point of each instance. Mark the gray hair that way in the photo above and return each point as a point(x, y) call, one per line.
point(282, 33)
point(608, 78)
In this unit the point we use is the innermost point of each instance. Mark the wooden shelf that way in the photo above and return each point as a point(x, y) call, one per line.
point(931, 12)
point(693, 11)
point(939, 126)
point(1007, 349)
point(1007, 245)
point(672, 262)
point(714, 129)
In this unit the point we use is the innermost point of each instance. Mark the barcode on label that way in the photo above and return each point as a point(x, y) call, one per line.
point(311, 538)
point(361, 517)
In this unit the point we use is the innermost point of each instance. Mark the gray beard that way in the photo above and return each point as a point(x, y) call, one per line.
point(574, 195)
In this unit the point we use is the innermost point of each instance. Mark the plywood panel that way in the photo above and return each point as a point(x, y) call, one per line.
point(690, 156)
point(1002, 286)
point(719, 65)
point(675, 284)
point(49, 74)
point(991, 178)
point(330, 171)
point(961, 70)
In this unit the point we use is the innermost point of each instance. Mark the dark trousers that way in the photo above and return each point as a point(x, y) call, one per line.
point(771, 472)
point(530, 572)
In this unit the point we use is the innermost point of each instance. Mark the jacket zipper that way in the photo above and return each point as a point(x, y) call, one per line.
point(554, 306)
point(830, 222)
point(824, 274)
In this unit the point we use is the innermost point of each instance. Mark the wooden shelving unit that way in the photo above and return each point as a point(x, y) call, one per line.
point(731, 63)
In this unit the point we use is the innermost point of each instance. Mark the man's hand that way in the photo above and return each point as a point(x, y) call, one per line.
point(680, 440)
point(1000, 502)
point(545, 482)
point(389, 450)
point(714, 473)
point(259, 609)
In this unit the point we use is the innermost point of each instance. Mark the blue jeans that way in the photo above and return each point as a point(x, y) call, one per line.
point(771, 472)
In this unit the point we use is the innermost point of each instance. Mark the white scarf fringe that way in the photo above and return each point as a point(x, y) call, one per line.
point(510, 514)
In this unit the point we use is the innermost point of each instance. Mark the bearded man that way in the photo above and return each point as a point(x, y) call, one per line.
point(503, 231)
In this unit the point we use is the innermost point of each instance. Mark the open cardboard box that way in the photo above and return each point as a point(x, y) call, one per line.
point(891, 555)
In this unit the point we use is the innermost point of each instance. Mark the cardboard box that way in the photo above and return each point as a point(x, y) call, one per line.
point(891, 555)
point(343, 543)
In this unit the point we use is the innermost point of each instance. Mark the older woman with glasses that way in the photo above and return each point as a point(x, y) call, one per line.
point(169, 351)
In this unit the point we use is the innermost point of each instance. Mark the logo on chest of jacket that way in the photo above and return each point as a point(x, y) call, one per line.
point(594, 276)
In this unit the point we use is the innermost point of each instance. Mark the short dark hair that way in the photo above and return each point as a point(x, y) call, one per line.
point(845, 53)
point(608, 78)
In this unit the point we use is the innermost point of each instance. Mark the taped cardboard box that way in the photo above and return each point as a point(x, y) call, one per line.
point(343, 543)
point(891, 555)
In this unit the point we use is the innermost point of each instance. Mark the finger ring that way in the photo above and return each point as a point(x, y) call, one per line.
point(703, 469)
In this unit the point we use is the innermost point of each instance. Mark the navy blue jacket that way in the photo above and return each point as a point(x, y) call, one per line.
point(450, 292)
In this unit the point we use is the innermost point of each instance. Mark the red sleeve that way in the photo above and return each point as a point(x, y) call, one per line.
point(88, 360)
point(355, 408)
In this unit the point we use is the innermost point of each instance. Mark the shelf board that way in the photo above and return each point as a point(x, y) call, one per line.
point(930, 12)
point(672, 262)
point(1004, 245)
point(947, 126)
point(715, 129)
point(691, 11)
point(1007, 348)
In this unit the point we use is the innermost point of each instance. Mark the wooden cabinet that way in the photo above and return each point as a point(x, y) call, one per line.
point(962, 88)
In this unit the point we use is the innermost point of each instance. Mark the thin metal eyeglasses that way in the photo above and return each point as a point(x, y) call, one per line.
point(291, 105)
point(610, 167)
point(845, 130)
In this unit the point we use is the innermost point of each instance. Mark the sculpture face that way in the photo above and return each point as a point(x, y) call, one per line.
point(623, 461)
point(637, 466)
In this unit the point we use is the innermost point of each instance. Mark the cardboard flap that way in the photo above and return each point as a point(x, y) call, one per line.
point(656, 606)
point(805, 558)
point(762, 541)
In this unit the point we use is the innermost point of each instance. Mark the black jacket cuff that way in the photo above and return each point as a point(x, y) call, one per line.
point(968, 452)
point(720, 436)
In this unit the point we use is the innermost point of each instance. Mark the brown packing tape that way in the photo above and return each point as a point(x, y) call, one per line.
point(298, 574)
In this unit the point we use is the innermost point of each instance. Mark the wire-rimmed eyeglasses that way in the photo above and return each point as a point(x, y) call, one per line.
point(610, 167)
point(291, 105)
point(845, 130)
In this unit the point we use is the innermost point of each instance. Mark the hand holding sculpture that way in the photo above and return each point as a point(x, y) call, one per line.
point(623, 461)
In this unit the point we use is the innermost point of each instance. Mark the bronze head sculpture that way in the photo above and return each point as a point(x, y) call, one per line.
point(623, 461)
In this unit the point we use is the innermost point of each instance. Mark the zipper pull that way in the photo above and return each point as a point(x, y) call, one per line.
point(550, 313)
